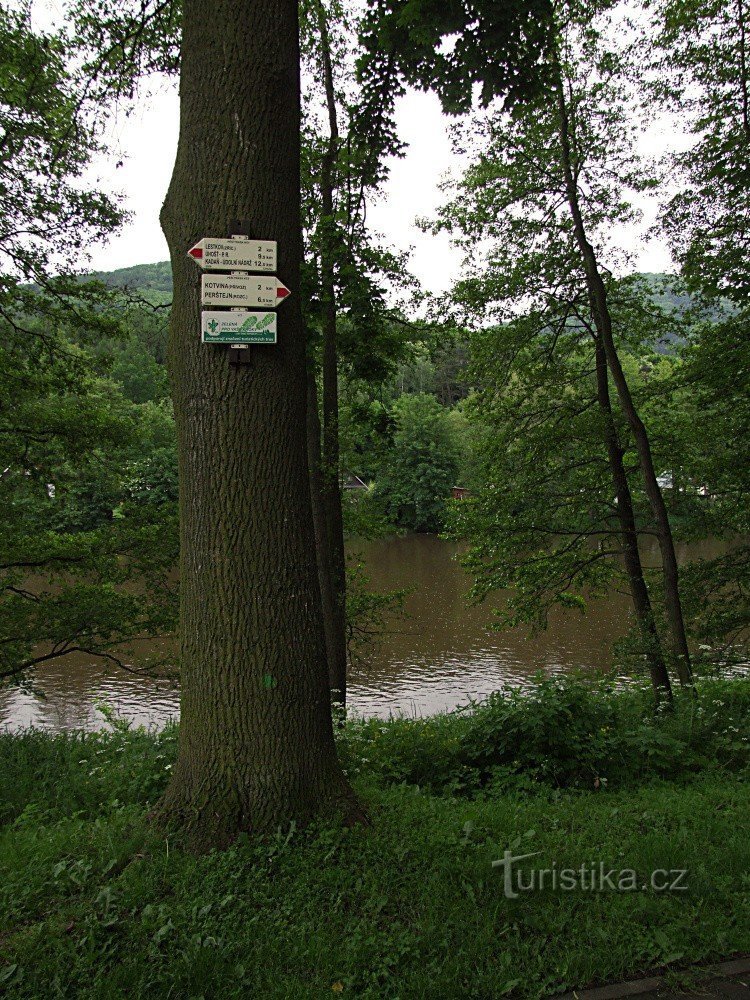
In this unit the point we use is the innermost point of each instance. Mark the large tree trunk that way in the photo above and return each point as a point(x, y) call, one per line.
point(331, 486)
point(256, 741)
point(603, 321)
point(631, 555)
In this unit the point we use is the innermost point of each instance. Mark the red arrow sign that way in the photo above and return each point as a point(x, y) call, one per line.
point(251, 291)
point(235, 255)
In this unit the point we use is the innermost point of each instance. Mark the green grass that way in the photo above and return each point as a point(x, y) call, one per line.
point(94, 904)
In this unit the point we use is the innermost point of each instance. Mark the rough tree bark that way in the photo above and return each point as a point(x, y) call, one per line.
point(631, 555)
point(256, 742)
point(603, 321)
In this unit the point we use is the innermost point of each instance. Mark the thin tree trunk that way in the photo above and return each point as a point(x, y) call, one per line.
point(256, 745)
point(331, 487)
point(325, 572)
point(603, 321)
point(633, 566)
point(743, 68)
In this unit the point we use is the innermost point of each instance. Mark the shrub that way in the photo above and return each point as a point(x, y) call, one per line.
point(561, 733)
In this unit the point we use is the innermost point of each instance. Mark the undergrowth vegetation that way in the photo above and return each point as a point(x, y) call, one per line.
point(564, 733)
point(94, 904)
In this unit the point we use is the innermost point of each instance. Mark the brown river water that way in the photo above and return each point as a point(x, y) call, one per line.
point(442, 655)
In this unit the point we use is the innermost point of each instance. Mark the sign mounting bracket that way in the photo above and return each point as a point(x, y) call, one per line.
point(240, 230)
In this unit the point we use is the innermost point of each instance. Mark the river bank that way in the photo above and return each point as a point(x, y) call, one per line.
point(93, 903)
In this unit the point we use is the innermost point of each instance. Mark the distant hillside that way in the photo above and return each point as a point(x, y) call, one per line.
point(141, 277)
point(156, 279)
point(663, 291)
point(159, 278)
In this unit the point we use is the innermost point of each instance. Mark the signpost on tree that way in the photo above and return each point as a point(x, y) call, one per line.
point(238, 290)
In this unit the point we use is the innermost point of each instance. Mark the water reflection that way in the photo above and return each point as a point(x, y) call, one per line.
point(74, 686)
point(442, 655)
point(446, 651)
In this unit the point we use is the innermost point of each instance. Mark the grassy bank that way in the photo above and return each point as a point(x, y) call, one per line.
point(92, 904)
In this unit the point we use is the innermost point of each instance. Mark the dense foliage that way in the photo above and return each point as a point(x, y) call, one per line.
point(89, 494)
point(85, 545)
point(700, 71)
point(421, 467)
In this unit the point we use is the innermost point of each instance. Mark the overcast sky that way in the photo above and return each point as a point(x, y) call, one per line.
point(146, 141)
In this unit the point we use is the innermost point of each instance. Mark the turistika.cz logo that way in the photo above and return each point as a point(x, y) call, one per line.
point(592, 876)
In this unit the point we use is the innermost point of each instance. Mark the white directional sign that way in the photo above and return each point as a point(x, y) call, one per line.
point(242, 290)
point(238, 327)
point(231, 255)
